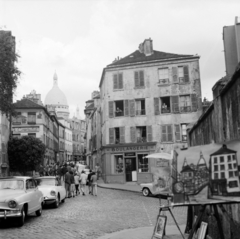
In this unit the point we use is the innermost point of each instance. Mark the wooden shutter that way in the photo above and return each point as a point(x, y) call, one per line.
point(175, 74)
point(175, 104)
point(156, 106)
point(115, 81)
point(126, 108)
point(141, 81)
point(110, 109)
point(194, 102)
point(169, 133)
point(111, 135)
point(136, 79)
point(132, 107)
point(122, 134)
point(186, 74)
point(149, 133)
point(177, 132)
point(120, 81)
point(133, 134)
point(164, 133)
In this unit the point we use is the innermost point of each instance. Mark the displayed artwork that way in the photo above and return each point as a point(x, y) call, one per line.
point(159, 230)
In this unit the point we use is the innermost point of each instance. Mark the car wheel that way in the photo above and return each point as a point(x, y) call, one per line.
point(145, 192)
point(21, 219)
point(63, 201)
point(39, 211)
point(57, 202)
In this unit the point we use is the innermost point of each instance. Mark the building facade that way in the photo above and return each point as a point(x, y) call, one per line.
point(148, 99)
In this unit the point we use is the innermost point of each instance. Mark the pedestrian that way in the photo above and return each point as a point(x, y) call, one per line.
point(68, 183)
point(76, 181)
point(94, 184)
point(72, 188)
point(83, 180)
point(89, 181)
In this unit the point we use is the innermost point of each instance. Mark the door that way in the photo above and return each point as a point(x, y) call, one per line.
point(130, 169)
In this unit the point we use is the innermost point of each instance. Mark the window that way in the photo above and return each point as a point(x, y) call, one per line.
point(215, 160)
point(139, 79)
point(184, 132)
point(183, 74)
point(222, 167)
point(215, 167)
point(167, 133)
point(141, 134)
point(32, 134)
point(222, 175)
point(140, 107)
point(31, 118)
point(233, 184)
point(235, 165)
point(165, 105)
point(118, 163)
point(163, 76)
point(17, 119)
point(229, 166)
point(118, 81)
point(142, 163)
point(221, 159)
point(185, 103)
point(116, 135)
point(233, 157)
point(119, 108)
point(215, 175)
point(229, 158)
point(231, 174)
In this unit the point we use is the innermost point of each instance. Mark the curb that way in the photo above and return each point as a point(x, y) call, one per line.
point(121, 189)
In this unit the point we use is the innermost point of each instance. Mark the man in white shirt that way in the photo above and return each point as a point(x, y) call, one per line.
point(83, 179)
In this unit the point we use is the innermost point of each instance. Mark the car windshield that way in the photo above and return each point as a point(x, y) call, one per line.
point(46, 181)
point(11, 184)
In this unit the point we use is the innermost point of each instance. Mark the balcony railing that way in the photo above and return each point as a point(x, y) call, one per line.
point(141, 112)
point(165, 110)
point(141, 139)
point(185, 108)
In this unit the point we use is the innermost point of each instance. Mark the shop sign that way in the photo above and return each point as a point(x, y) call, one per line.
point(130, 148)
point(130, 154)
point(26, 129)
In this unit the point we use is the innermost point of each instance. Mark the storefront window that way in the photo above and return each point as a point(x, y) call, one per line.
point(118, 164)
point(142, 163)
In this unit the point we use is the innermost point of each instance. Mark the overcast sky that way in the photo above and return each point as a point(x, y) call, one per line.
point(78, 38)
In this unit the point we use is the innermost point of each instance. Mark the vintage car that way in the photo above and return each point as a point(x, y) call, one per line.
point(52, 190)
point(19, 196)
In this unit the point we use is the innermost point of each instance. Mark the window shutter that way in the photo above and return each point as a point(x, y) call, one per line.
point(169, 133)
point(141, 78)
point(186, 74)
point(110, 108)
point(149, 133)
point(132, 107)
point(136, 79)
point(177, 132)
point(115, 84)
point(175, 104)
point(175, 74)
point(133, 134)
point(194, 102)
point(126, 108)
point(122, 134)
point(164, 133)
point(111, 135)
point(156, 106)
point(120, 81)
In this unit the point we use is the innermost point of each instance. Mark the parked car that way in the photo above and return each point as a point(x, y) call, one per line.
point(19, 196)
point(52, 190)
point(154, 189)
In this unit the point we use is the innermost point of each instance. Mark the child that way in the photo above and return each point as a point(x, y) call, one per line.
point(76, 180)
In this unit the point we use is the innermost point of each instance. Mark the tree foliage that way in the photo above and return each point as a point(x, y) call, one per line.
point(9, 72)
point(25, 154)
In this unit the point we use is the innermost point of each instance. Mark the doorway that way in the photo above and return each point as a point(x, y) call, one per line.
point(131, 169)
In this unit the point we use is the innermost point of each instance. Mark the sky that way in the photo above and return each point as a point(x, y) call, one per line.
point(78, 38)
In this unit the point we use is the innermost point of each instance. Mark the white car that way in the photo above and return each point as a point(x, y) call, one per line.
point(154, 189)
point(19, 196)
point(52, 190)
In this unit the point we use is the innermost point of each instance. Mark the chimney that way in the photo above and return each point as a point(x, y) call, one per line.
point(146, 47)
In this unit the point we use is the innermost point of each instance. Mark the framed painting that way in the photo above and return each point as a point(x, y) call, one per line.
point(160, 226)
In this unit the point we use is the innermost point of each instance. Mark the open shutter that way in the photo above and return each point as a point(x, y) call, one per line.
point(194, 102)
point(132, 107)
point(164, 133)
point(111, 135)
point(136, 79)
point(177, 132)
point(120, 81)
point(149, 133)
point(175, 74)
point(133, 134)
point(175, 104)
point(115, 84)
point(110, 108)
point(126, 108)
point(169, 133)
point(186, 74)
point(156, 106)
point(122, 134)
point(141, 81)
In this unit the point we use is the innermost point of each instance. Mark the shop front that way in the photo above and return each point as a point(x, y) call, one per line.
point(123, 164)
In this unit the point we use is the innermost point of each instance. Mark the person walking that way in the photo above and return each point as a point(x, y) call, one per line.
point(68, 184)
point(89, 181)
point(83, 180)
point(94, 184)
point(72, 188)
point(76, 181)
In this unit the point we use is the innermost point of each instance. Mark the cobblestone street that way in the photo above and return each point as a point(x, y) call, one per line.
point(91, 217)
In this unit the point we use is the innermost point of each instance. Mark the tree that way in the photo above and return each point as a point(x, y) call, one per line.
point(25, 154)
point(9, 73)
